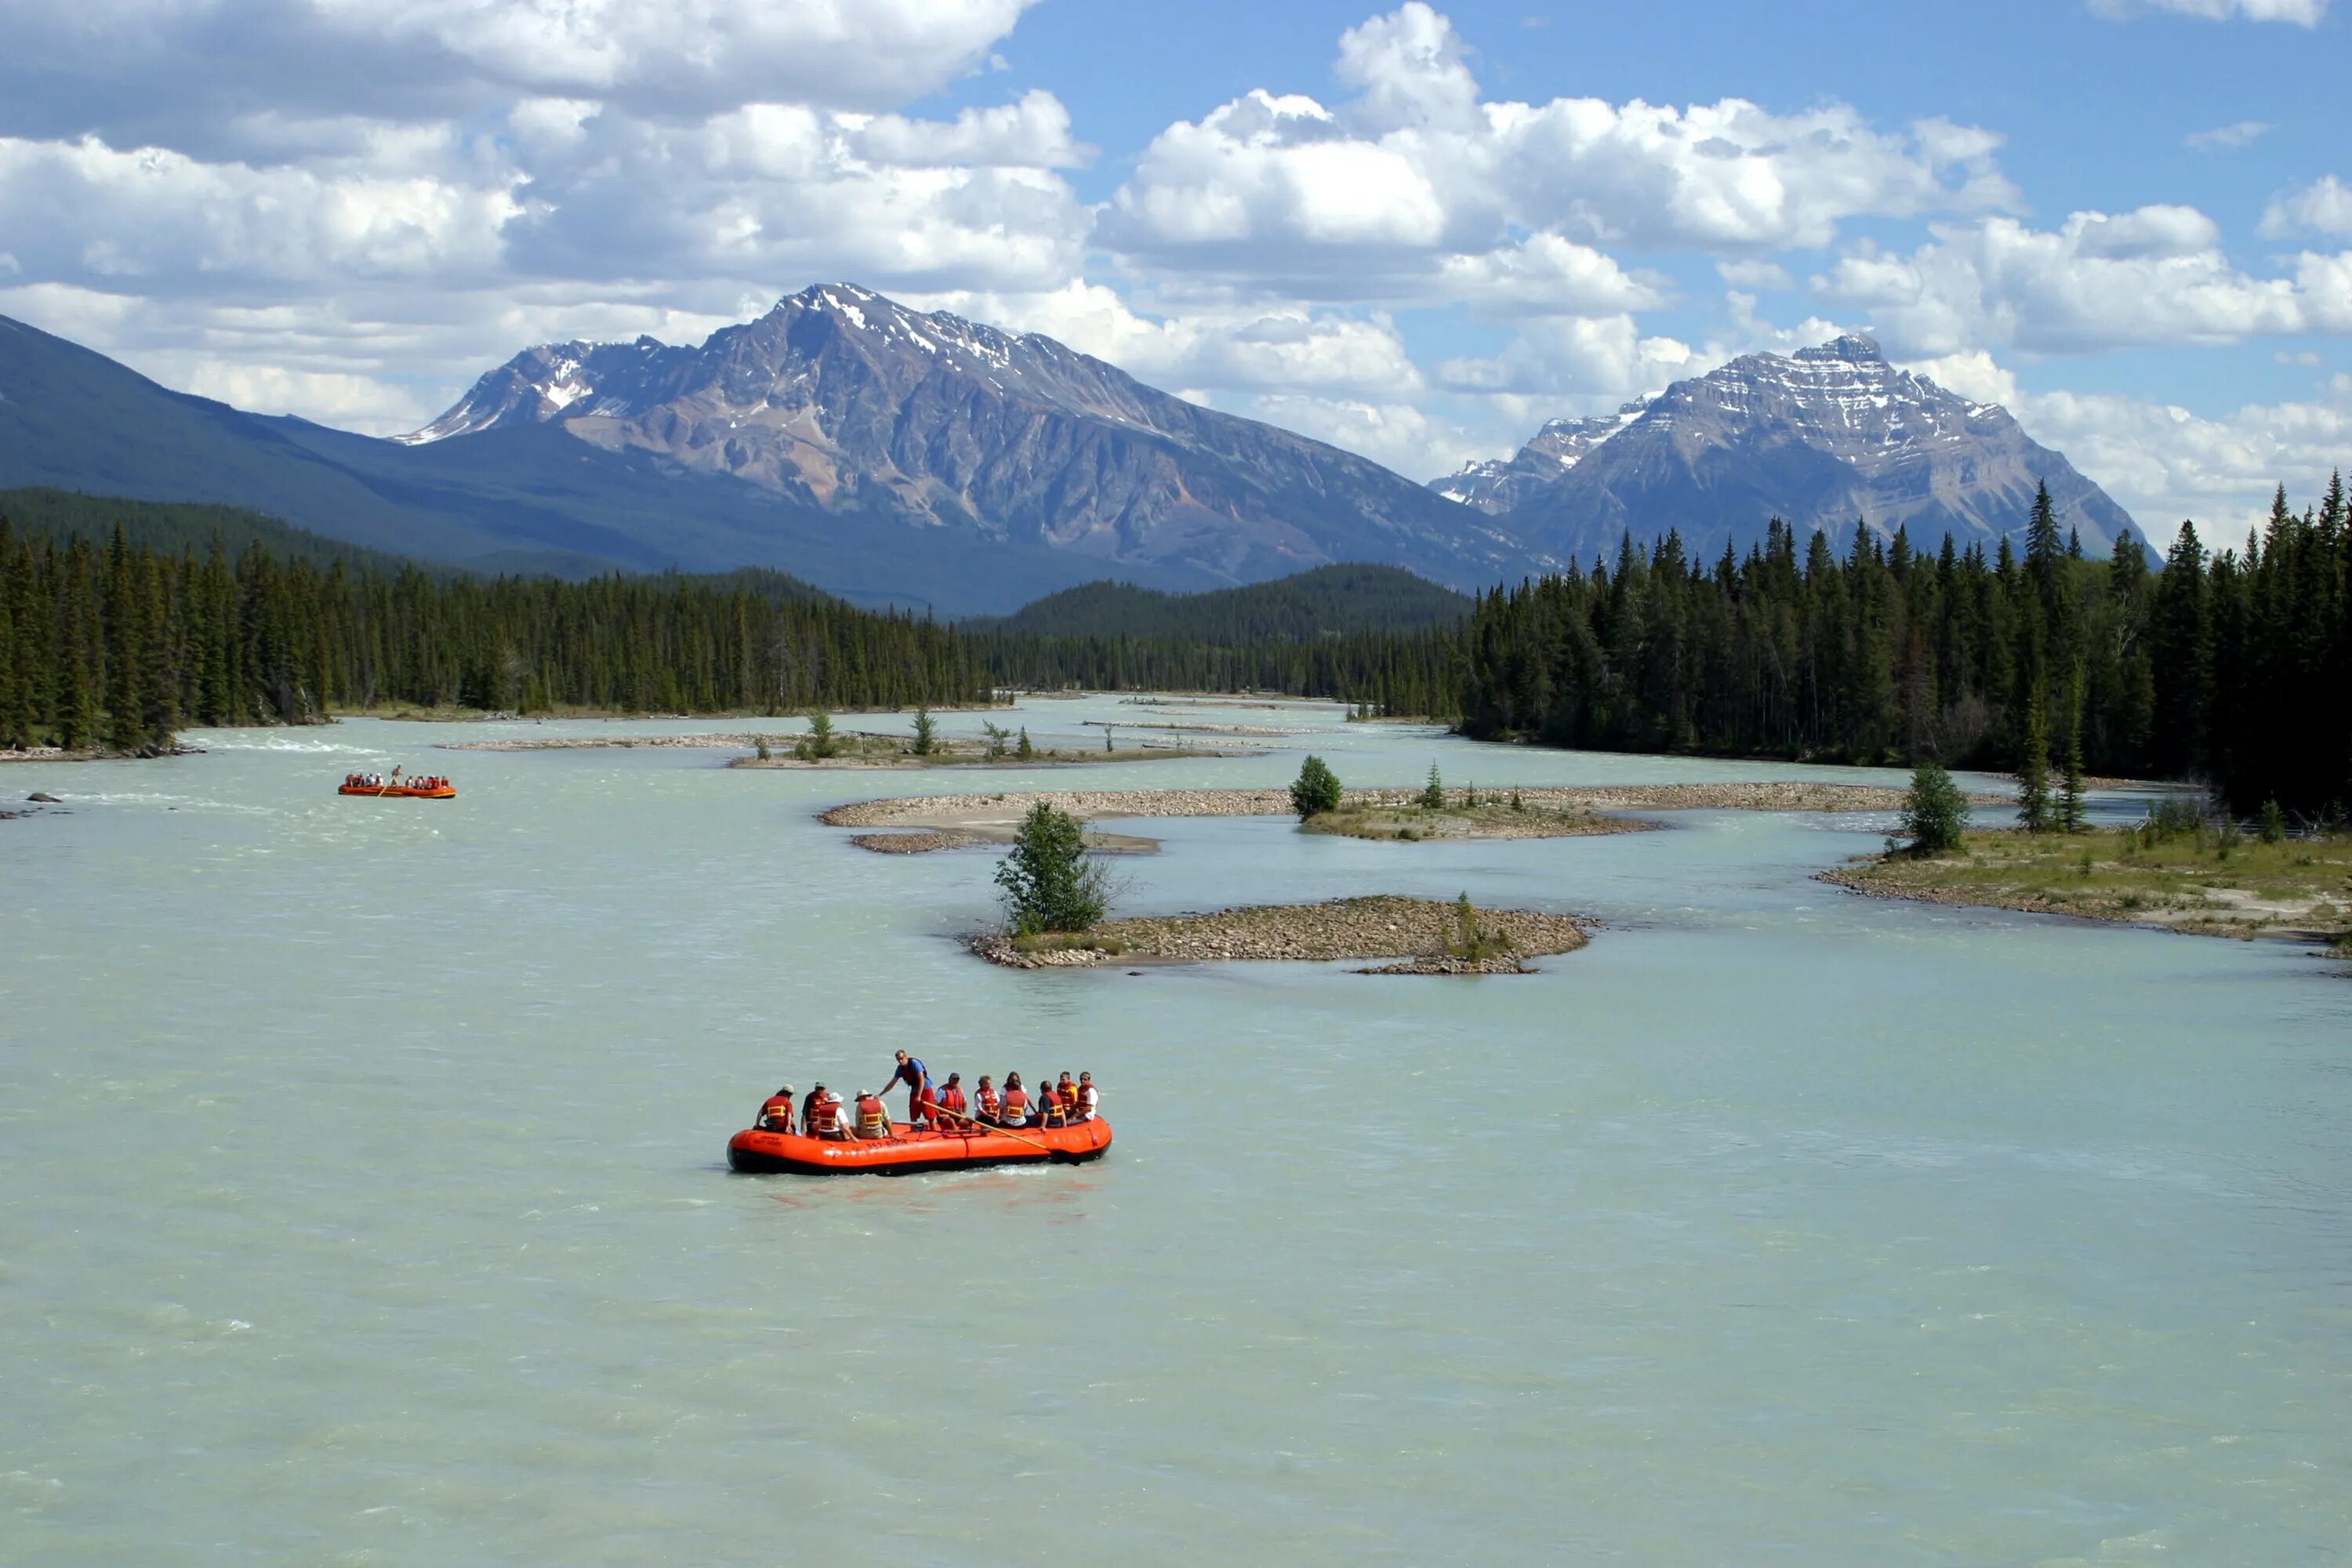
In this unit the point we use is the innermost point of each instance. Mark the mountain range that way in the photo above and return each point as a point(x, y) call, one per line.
point(896, 456)
point(1821, 438)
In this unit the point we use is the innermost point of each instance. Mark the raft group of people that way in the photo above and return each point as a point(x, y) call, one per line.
point(378, 781)
point(946, 1108)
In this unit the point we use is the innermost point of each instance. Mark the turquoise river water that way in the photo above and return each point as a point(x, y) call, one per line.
point(363, 1194)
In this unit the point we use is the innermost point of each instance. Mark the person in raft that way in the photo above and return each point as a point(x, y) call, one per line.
point(1089, 1098)
point(824, 1116)
point(951, 1105)
point(776, 1112)
point(873, 1117)
point(1012, 1105)
point(990, 1104)
point(911, 1072)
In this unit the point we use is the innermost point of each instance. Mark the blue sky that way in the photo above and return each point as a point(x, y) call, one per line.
point(1415, 230)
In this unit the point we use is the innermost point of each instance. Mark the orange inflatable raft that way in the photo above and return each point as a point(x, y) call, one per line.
point(410, 792)
point(907, 1151)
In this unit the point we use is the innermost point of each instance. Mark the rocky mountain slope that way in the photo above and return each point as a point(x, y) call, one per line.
point(1819, 438)
point(1496, 485)
point(845, 402)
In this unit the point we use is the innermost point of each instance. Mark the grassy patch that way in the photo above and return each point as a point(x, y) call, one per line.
point(2215, 882)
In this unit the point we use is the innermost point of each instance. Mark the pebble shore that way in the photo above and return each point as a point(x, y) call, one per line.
point(1379, 927)
point(953, 821)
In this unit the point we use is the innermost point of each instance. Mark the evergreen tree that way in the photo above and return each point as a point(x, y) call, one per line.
point(2033, 772)
point(125, 645)
point(927, 732)
point(2070, 791)
point(1433, 793)
point(1934, 813)
point(1050, 881)
point(1316, 790)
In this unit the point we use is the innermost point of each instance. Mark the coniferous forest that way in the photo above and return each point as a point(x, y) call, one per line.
point(2230, 665)
point(118, 645)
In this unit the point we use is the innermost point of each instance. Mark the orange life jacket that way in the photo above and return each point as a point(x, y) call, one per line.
point(992, 1104)
point(778, 1110)
point(1016, 1104)
point(950, 1101)
point(873, 1121)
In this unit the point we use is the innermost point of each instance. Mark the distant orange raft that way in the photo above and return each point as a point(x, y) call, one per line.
point(411, 792)
point(907, 1151)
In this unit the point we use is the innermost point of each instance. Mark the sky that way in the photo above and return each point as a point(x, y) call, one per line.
point(1416, 231)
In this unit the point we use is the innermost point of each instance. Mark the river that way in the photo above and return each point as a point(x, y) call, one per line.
point(362, 1192)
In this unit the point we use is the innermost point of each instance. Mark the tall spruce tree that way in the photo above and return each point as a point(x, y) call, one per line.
point(2033, 771)
point(2070, 788)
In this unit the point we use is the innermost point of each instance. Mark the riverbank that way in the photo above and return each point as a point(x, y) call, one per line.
point(957, 821)
point(1425, 936)
point(852, 749)
point(2204, 883)
point(97, 753)
point(1512, 817)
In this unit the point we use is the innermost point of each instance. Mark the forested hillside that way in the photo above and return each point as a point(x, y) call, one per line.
point(2232, 666)
point(1329, 601)
point(175, 526)
point(121, 645)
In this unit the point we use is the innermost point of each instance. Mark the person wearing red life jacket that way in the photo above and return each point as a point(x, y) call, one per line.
point(952, 1105)
point(1048, 1105)
point(1067, 1091)
point(1089, 1098)
point(990, 1104)
point(808, 1109)
point(1015, 1104)
point(824, 1120)
point(873, 1119)
point(776, 1112)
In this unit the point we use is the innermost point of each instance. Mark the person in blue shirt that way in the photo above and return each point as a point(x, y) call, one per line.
point(911, 1072)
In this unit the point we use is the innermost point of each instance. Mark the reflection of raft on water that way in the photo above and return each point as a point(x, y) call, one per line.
point(411, 792)
point(908, 1150)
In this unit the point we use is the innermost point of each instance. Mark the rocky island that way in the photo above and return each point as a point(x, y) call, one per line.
point(1425, 936)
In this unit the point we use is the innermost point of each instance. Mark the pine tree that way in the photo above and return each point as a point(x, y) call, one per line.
point(1050, 881)
point(1316, 790)
point(2034, 771)
point(1433, 793)
point(927, 732)
point(1934, 814)
point(126, 650)
point(2070, 791)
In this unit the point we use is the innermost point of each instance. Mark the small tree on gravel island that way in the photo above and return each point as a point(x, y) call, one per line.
point(1936, 815)
point(1028, 751)
point(820, 734)
point(1316, 790)
point(1050, 881)
point(1433, 793)
point(927, 732)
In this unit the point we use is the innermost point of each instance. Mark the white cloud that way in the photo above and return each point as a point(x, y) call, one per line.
point(87, 211)
point(2227, 138)
point(142, 69)
point(2325, 205)
point(1282, 191)
point(1399, 436)
point(1593, 361)
point(2303, 12)
point(1236, 349)
point(1755, 274)
point(2156, 274)
point(2164, 463)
